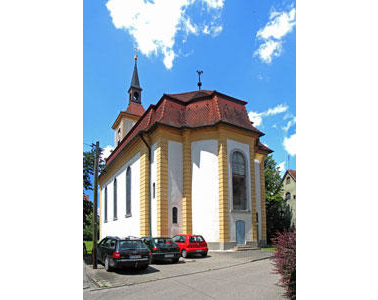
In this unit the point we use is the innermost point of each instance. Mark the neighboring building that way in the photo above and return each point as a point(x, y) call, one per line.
point(289, 191)
point(192, 163)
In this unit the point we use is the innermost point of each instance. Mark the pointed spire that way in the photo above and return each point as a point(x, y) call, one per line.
point(135, 91)
point(135, 79)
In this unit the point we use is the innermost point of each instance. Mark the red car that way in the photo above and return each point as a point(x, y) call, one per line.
point(191, 244)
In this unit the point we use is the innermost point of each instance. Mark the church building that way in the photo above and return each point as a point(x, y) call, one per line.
point(190, 164)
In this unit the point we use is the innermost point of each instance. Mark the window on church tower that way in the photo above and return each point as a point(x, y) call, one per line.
point(174, 215)
point(239, 189)
point(115, 199)
point(128, 192)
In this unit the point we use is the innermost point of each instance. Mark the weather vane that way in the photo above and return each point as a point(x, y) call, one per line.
point(136, 55)
point(199, 79)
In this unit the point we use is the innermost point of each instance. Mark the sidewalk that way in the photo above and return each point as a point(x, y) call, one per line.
point(164, 270)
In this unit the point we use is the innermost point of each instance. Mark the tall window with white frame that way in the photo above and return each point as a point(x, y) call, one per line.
point(115, 199)
point(239, 188)
point(128, 192)
point(106, 205)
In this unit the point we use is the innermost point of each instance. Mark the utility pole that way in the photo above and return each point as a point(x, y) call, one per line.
point(94, 249)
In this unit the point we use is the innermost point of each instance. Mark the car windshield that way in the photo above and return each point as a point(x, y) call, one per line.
point(131, 245)
point(196, 239)
point(163, 241)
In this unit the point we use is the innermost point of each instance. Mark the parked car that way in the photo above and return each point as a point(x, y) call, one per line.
point(191, 244)
point(162, 248)
point(115, 252)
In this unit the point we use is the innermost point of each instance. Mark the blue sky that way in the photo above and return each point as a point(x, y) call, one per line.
point(246, 49)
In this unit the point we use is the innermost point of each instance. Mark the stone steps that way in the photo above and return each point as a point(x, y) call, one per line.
point(245, 248)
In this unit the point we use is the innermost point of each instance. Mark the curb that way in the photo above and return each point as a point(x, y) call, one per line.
point(175, 276)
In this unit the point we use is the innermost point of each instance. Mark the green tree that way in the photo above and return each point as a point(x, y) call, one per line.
point(278, 214)
point(88, 172)
point(88, 228)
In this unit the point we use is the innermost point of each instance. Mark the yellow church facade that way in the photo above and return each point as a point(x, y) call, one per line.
point(191, 164)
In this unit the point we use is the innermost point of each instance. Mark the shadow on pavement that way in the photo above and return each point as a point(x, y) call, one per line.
point(88, 259)
point(196, 256)
point(133, 271)
point(167, 262)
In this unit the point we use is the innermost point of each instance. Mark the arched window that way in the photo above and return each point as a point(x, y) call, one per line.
point(115, 199)
point(106, 205)
point(288, 196)
point(128, 192)
point(287, 179)
point(174, 215)
point(239, 189)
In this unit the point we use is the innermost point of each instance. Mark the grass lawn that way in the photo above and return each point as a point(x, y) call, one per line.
point(268, 248)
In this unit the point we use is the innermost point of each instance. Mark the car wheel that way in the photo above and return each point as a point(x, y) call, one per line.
point(204, 254)
point(184, 254)
point(175, 260)
point(106, 264)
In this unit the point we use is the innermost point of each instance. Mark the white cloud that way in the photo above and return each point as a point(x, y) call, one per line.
point(280, 108)
point(256, 117)
point(216, 30)
point(268, 49)
point(289, 124)
point(206, 30)
point(281, 167)
point(289, 144)
point(154, 24)
point(106, 152)
point(280, 24)
point(214, 3)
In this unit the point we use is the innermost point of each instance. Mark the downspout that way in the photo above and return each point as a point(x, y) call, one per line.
point(149, 183)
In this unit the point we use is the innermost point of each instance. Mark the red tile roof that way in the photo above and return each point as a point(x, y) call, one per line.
point(191, 110)
point(263, 148)
point(135, 109)
point(293, 173)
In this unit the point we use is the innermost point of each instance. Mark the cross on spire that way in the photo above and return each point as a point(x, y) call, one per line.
point(199, 79)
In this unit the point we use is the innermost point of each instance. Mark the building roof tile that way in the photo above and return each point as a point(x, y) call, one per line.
point(189, 110)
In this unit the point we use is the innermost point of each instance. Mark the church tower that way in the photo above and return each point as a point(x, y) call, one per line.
point(135, 91)
point(127, 119)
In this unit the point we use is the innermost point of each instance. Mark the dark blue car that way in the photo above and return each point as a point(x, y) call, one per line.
point(162, 248)
point(115, 252)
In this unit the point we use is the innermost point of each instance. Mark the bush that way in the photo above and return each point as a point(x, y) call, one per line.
point(285, 260)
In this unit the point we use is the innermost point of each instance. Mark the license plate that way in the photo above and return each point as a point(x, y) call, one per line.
point(169, 255)
point(198, 250)
point(135, 256)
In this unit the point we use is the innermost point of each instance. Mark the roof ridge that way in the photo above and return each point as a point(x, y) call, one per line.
point(217, 107)
point(192, 92)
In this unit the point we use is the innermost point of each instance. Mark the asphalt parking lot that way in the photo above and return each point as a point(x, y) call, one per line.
point(100, 279)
